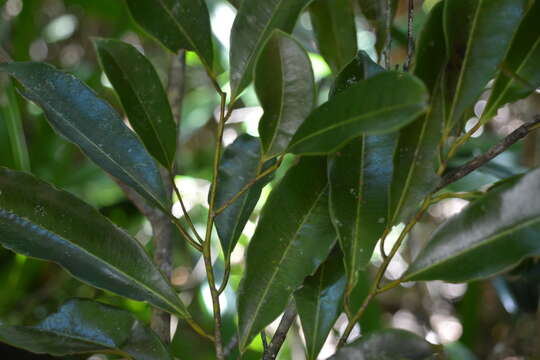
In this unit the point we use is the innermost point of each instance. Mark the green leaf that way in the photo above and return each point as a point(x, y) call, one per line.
point(255, 22)
point(293, 237)
point(520, 74)
point(177, 24)
point(240, 164)
point(41, 221)
point(286, 89)
point(414, 160)
point(142, 95)
point(334, 26)
point(375, 12)
point(359, 176)
point(489, 236)
point(78, 114)
point(477, 45)
point(84, 326)
point(391, 344)
point(366, 108)
point(319, 302)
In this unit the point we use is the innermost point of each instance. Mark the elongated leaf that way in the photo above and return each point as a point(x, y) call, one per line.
point(489, 236)
point(255, 22)
point(78, 114)
point(520, 74)
point(240, 164)
point(335, 30)
point(177, 24)
point(391, 344)
point(84, 326)
point(319, 302)
point(414, 160)
point(40, 221)
point(376, 12)
point(286, 89)
point(359, 176)
point(477, 46)
point(142, 95)
point(293, 237)
point(366, 108)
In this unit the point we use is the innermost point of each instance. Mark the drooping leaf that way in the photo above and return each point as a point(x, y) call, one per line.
point(489, 236)
point(293, 237)
point(319, 302)
point(359, 176)
point(376, 12)
point(520, 73)
point(142, 95)
point(41, 221)
point(177, 24)
point(366, 108)
point(78, 114)
point(414, 160)
point(477, 44)
point(240, 164)
point(286, 89)
point(255, 22)
point(84, 326)
point(334, 27)
point(391, 344)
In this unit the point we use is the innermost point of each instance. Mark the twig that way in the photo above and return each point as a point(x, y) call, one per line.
point(231, 345)
point(388, 38)
point(410, 36)
point(185, 212)
point(264, 342)
point(479, 161)
point(281, 333)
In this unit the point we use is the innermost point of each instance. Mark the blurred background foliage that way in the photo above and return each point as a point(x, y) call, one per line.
point(494, 319)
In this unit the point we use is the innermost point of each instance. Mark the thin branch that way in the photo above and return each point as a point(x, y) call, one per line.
point(281, 333)
point(479, 161)
point(185, 212)
point(410, 36)
point(231, 346)
point(264, 342)
point(388, 39)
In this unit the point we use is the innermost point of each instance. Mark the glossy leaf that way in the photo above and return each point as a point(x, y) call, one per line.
point(293, 237)
point(359, 176)
point(286, 89)
point(41, 221)
point(375, 12)
point(253, 25)
point(177, 24)
point(391, 344)
point(489, 236)
point(414, 160)
point(477, 45)
point(520, 74)
point(84, 326)
point(83, 118)
point(366, 108)
point(240, 164)
point(334, 27)
point(142, 95)
point(319, 302)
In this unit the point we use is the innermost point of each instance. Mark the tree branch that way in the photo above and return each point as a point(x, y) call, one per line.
point(281, 332)
point(481, 160)
point(410, 36)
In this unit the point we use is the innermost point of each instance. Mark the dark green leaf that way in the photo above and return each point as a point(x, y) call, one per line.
point(478, 33)
point(491, 235)
point(359, 176)
point(319, 302)
point(77, 113)
point(177, 24)
point(379, 105)
point(375, 12)
point(414, 160)
point(391, 344)
point(255, 22)
point(335, 30)
point(40, 221)
point(142, 95)
point(286, 89)
point(83, 326)
point(293, 237)
point(520, 74)
point(240, 164)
